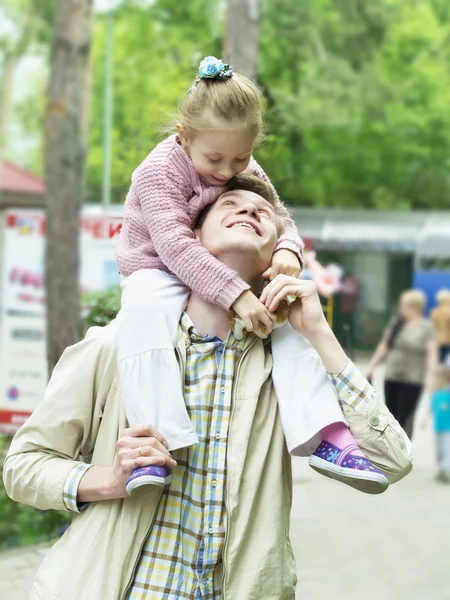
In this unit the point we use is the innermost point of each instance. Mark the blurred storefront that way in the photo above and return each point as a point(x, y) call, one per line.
point(382, 254)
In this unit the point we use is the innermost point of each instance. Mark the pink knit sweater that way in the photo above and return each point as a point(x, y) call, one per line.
point(165, 199)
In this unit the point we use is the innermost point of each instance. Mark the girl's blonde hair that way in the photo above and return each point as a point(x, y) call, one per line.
point(235, 101)
point(414, 298)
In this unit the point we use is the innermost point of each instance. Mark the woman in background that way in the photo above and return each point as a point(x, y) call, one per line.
point(410, 349)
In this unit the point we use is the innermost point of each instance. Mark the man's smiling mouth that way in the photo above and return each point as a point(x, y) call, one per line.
point(245, 225)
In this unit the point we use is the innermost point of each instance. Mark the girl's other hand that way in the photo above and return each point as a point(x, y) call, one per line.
point(253, 313)
point(284, 262)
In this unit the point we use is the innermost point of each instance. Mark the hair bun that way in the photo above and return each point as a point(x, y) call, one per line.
point(214, 68)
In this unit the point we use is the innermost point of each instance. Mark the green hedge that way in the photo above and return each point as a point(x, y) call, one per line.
point(22, 525)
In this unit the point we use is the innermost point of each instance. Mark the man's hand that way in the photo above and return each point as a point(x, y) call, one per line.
point(153, 451)
point(306, 315)
point(108, 483)
point(284, 262)
point(307, 318)
point(253, 312)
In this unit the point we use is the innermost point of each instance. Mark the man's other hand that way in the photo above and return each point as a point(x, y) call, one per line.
point(306, 314)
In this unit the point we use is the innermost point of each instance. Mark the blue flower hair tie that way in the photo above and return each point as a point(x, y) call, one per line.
point(213, 68)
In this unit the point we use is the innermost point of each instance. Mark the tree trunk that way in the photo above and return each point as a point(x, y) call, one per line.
point(64, 165)
point(241, 40)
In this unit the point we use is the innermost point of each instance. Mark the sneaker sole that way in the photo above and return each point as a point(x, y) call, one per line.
point(147, 480)
point(364, 481)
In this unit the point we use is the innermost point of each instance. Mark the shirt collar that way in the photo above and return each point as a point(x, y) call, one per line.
point(188, 328)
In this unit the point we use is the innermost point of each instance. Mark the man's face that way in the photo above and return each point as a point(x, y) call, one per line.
point(241, 222)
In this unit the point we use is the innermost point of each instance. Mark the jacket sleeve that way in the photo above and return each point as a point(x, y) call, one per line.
point(165, 208)
point(62, 430)
point(374, 428)
point(290, 240)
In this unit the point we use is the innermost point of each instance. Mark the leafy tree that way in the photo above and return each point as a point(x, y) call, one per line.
point(357, 95)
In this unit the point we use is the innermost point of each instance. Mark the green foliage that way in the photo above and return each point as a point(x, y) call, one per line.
point(358, 94)
point(20, 524)
point(102, 307)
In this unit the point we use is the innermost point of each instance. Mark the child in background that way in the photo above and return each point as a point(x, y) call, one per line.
point(440, 409)
point(219, 124)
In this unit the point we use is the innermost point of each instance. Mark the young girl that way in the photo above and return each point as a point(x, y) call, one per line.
point(220, 122)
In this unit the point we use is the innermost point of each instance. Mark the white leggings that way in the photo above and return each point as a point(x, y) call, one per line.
point(152, 386)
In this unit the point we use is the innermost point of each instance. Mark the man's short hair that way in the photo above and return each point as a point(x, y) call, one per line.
point(251, 183)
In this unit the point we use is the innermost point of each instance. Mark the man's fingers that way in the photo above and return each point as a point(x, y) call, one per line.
point(272, 290)
point(282, 294)
point(144, 461)
point(267, 273)
point(144, 443)
point(144, 431)
point(145, 452)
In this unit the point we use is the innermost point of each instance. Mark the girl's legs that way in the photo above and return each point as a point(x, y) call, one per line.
point(152, 386)
point(306, 398)
point(312, 419)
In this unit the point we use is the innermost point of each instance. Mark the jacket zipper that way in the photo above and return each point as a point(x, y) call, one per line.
point(225, 543)
point(130, 581)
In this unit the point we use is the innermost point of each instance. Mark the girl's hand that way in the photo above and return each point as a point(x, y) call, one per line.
point(306, 314)
point(253, 312)
point(284, 262)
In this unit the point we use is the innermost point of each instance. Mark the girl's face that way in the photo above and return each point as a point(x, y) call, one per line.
point(218, 155)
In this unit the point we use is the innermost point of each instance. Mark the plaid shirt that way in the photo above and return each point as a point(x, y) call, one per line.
point(182, 556)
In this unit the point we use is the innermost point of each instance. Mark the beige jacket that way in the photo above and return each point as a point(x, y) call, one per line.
point(82, 417)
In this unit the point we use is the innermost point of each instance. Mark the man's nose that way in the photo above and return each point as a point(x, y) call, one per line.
point(250, 209)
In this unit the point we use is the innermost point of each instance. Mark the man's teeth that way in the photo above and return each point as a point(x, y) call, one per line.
point(243, 225)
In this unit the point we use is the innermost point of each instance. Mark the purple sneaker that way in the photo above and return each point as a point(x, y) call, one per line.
point(355, 471)
point(151, 475)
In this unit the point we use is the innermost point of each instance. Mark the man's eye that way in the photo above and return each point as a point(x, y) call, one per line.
point(264, 212)
point(228, 203)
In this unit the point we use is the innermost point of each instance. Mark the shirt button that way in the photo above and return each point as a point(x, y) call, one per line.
point(374, 420)
point(214, 483)
point(222, 389)
point(210, 531)
point(218, 436)
point(205, 581)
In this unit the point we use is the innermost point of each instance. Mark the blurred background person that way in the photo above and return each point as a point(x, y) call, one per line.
point(440, 317)
point(410, 350)
point(440, 410)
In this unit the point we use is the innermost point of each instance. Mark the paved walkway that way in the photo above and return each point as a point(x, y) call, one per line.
point(348, 545)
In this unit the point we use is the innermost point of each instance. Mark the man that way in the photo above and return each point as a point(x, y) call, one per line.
point(221, 529)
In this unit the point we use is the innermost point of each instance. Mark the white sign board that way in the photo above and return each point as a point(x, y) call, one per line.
point(23, 367)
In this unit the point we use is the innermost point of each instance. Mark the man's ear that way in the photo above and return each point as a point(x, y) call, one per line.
point(181, 131)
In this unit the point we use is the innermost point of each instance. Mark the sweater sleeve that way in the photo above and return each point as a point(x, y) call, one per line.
point(163, 198)
point(290, 240)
